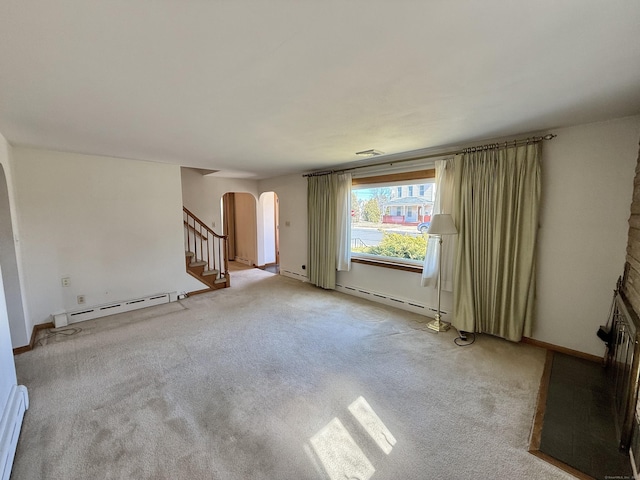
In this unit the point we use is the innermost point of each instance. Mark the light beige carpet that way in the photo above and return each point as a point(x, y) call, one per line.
point(276, 379)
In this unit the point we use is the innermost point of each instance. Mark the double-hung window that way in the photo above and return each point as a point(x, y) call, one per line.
point(389, 216)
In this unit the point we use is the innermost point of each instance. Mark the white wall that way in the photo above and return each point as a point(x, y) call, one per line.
point(202, 194)
point(292, 197)
point(7, 367)
point(10, 250)
point(588, 173)
point(113, 226)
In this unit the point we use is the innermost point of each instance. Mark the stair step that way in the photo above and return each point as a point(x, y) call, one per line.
point(220, 280)
point(210, 272)
point(197, 264)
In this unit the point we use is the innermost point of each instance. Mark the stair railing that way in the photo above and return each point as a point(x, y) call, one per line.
point(205, 244)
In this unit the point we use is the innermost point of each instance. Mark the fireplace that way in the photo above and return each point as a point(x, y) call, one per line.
point(623, 363)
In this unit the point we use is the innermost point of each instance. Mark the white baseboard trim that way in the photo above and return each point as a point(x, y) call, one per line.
point(10, 425)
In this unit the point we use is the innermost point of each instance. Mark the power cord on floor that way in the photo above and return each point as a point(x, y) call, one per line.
point(462, 340)
point(52, 333)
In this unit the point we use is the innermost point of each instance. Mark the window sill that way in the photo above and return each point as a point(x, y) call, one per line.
point(387, 264)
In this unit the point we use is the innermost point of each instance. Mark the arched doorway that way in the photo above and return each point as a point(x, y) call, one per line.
point(9, 263)
point(269, 231)
point(239, 223)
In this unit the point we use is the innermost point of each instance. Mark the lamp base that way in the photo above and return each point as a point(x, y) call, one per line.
point(438, 325)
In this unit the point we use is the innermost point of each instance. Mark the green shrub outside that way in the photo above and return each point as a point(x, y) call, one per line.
point(399, 246)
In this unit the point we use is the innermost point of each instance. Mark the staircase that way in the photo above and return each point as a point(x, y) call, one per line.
point(205, 253)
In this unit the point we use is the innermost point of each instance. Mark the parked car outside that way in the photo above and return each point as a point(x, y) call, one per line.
point(423, 227)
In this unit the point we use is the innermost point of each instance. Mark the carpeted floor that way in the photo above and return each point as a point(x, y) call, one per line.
point(276, 379)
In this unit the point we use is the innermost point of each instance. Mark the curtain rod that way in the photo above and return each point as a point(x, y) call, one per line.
point(488, 146)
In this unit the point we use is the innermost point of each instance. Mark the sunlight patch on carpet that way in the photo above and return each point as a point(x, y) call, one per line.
point(372, 424)
point(340, 455)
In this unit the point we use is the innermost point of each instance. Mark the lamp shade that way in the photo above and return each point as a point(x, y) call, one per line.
point(442, 224)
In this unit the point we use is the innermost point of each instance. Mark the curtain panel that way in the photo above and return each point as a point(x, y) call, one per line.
point(343, 220)
point(496, 205)
point(329, 214)
point(443, 203)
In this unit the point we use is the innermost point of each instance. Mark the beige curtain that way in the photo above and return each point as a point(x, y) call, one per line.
point(443, 203)
point(321, 214)
point(496, 198)
point(343, 222)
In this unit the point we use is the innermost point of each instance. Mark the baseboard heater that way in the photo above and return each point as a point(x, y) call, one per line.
point(403, 303)
point(65, 318)
point(10, 425)
point(297, 276)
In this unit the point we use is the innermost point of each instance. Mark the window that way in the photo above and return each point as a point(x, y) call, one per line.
point(385, 225)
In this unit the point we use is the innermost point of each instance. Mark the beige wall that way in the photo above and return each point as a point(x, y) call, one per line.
point(113, 226)
point(587, 185)
point(202, 194)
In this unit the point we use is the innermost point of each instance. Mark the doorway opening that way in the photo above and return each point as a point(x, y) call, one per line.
point(253, 230)
point(9, 267)
point(239, 223)
point(269, 232)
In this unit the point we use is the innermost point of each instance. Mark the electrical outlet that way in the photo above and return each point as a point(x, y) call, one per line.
point(80, 299)
point(66, 281)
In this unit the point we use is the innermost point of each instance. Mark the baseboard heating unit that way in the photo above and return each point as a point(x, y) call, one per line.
point(297, 276)
point(65, 318)
point(10, 425)
point(402, 303)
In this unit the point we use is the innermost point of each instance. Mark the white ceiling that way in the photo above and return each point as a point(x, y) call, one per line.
point(264, 88)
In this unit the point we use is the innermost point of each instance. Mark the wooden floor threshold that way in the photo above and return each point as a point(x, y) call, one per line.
point(538, 421)
point(559, 349)
point(198, 292)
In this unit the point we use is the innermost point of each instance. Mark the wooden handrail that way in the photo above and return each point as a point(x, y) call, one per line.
point(190, 227)
point(204, 225)
point(209, 250)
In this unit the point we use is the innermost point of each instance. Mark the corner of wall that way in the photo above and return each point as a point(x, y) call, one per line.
point(20, 334)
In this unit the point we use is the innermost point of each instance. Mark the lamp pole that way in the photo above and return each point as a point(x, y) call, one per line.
point(438, 325)
point(441, 224)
